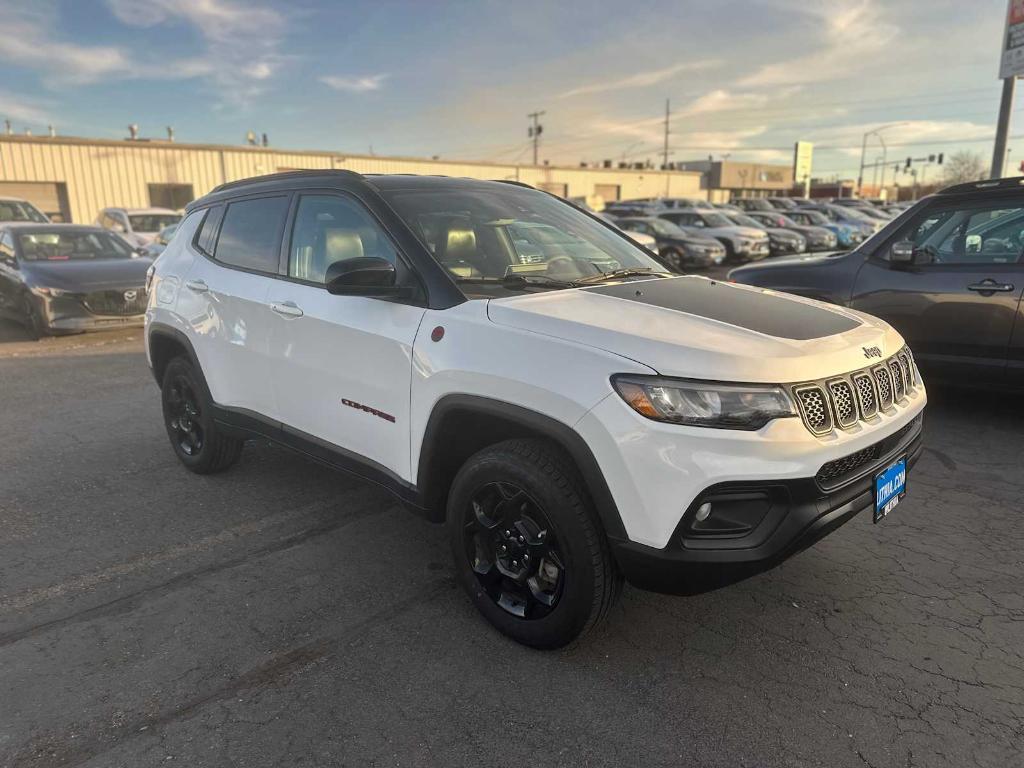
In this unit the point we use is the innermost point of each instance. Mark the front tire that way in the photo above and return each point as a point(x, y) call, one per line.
point(33, 323)
point(528, 547)
point(195, 437)
point(673, 259)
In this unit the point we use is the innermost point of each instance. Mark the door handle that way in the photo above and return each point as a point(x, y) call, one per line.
point(286, 308)
point(990, 286)
point(198, 286)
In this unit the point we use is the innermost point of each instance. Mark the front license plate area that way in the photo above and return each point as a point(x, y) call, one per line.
point(890, 488)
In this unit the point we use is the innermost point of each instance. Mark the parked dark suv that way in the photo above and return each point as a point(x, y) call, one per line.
point(948, 275)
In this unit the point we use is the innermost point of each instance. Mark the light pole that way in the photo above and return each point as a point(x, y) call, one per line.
point(864, 149)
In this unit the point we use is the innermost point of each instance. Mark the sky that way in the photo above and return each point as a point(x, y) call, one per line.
point(458, 79)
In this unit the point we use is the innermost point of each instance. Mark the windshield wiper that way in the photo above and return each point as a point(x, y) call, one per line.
point(518, 281)
point(619, 273)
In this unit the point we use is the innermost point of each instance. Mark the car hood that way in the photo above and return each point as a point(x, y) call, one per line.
point(754, 234)
point(701, 328)
point(84, 276)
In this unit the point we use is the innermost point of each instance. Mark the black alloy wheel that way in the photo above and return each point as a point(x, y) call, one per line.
point(528, 544)
point(197, 440)
point(513, 550)
point(185, 416)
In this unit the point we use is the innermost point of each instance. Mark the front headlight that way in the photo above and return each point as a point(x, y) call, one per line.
point(54, 292)
point(704, 404)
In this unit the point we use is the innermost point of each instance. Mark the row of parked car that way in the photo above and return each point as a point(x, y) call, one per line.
point(689, 233)
point(65, 278)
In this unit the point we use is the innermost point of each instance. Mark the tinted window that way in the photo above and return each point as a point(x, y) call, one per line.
point(993, 234)
point(206, 237)
point(152, 222)
point(250, 236)
point(329, 229)
point(17, 210)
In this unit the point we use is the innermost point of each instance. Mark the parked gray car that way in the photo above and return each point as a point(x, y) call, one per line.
point(818, 238)
point(741, 243)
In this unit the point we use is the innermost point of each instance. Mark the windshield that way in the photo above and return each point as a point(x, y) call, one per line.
point(746, 221)
point(849, 213)
point(152, 222)
point(666, 228)
point(18, 210)
point(514, 238)
point(65, 246)
point(813, 217)
point(715, 219)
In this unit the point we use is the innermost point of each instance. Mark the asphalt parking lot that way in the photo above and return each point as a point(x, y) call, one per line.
point(283, 614)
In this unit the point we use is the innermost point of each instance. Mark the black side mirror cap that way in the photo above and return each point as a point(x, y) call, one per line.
point(365, 276)
point(902, 253)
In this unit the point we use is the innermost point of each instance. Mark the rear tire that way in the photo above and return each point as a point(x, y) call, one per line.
point(528, 547)
point(196, 439)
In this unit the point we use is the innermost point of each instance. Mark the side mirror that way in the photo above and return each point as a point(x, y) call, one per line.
point(363, 276)
point(902, 253)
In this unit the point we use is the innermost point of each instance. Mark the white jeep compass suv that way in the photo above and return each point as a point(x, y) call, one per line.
point(505, 362)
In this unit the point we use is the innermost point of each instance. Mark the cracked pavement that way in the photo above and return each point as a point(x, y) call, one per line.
point(284, 614)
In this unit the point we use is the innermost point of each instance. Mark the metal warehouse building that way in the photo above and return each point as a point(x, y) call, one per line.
point(71, 179)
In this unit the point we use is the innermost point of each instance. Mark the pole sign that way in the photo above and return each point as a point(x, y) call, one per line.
point(1012, 62)
point(802, 154)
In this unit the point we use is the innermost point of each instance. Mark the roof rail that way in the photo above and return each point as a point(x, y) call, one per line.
point(284, 175)
point(1013, 182)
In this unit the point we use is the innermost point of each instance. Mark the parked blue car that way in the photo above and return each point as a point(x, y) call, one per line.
point(846, 236)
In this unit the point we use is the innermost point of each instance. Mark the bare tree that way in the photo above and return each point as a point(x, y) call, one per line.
point(962, 167)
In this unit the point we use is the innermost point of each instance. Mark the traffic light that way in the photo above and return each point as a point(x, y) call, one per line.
point(931, 158)
point(909, 161)
point(940, 158)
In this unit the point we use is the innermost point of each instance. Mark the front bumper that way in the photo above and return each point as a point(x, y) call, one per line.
point(660, 474)
point(800, 514)
point(67, 314)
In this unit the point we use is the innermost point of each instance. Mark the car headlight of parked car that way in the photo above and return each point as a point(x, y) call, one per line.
point(704, 404)
point(52, 292)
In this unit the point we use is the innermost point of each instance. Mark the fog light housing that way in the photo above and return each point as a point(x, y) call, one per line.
point(735, 513)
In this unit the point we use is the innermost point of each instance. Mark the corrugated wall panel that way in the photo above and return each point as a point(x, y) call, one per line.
point(108, 173)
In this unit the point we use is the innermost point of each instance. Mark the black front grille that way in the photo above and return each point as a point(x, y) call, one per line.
point(129, 301)
point(838, 471)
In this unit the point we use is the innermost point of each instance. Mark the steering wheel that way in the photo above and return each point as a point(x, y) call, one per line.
point(562, 266)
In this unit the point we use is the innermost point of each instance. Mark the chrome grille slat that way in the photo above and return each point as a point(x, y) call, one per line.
point(899, 384)
point(866, 395)
point(883, 380)
point(843, 404)
point(814, 408)
point(842, 401)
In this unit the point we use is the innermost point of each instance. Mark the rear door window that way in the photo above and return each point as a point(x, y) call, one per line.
point(250, 235)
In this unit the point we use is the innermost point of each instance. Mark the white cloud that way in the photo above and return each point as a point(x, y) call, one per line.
point(721, 100)
point(851, 35)
point(354, 84)
point(27, 41)
point(242, 40)
point(18, 108)
point(640, 79)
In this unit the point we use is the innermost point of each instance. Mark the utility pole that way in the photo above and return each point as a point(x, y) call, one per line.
point(1003, 128)
point(534, 132)
point(664, 151)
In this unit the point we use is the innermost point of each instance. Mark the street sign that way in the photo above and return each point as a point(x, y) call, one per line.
point(1012, 62)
